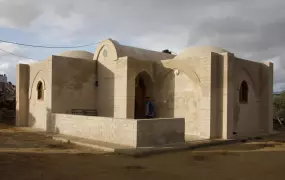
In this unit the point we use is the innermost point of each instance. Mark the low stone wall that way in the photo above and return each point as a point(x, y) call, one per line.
point(153, 132)
point(129, 132)
point(117, 131)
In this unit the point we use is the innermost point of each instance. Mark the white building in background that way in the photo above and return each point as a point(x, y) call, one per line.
point(3, 78)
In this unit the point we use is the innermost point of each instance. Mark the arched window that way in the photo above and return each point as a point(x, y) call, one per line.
point(40, 91)
point(243, 92)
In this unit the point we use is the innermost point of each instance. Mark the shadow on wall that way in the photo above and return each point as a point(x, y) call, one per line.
point(105, 84)
point(144, 87)
point(30, 122)
point(217, 125)
point(76, 89)
point(51, 122)
point(164, 91)
point(154, 80)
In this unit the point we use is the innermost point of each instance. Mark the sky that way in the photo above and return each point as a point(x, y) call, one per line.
point(251, 29)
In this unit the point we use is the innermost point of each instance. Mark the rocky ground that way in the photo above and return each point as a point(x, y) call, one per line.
point(29, 155)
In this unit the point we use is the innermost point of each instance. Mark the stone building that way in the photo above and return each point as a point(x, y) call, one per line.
point(204, 92)
point(3, 78)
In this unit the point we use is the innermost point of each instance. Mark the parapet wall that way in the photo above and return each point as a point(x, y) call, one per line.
point(152, 132)
point(127, 132)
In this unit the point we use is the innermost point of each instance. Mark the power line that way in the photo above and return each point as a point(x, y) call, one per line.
point(42, 46)
point(15, 54)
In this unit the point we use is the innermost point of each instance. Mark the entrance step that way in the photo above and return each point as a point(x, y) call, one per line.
point(104, 146)
point(191, 143)
point(136, 152)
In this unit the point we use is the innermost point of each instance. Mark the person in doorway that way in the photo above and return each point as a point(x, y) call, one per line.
point(149, 109)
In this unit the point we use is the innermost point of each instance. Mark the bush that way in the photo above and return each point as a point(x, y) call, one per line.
point(279, 105)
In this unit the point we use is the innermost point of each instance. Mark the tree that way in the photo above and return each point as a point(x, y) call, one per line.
point(279, 110)
point(279, 105)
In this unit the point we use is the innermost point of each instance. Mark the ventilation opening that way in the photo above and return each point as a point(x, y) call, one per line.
point(40, 91)
point(243, 93)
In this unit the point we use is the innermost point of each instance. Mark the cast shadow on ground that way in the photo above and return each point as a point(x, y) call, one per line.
point(66, 165)
point(249, 145)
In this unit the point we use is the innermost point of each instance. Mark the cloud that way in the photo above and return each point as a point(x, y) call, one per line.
point(17, 13)
point(8, 47)
point(4, 66)
point(250, 29)
point(8, 61)
point(248, 39)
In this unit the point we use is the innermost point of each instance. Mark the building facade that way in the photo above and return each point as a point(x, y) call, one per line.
point(205, 92)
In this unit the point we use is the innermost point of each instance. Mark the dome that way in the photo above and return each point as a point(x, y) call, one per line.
point(200, 51)
point(78, 54)
point(116, 50)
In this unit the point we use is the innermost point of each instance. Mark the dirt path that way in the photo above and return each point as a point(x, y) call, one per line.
point(30, 156)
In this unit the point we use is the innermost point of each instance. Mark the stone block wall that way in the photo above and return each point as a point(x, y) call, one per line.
point(22, 95)
point(253, 117)
point(191, 96)
point(40, 72)
point(129, 132)
point(160, 131)
point(76, 88)
point(117, 131)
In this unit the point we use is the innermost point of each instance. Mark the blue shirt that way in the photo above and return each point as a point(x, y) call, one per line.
point(149, 109)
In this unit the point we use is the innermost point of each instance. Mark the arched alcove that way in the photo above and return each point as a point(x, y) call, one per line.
point(143, 89)
point(38, 77)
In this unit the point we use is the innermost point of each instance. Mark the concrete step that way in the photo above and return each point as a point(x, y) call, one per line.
point(104, 146)
point(136, 152)
point(192, 143)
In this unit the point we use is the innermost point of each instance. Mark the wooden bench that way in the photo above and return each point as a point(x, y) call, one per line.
point(85, 112)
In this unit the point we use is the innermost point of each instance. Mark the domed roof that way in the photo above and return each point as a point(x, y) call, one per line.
point(118, 50)
point(200, 51)
point(78, 54)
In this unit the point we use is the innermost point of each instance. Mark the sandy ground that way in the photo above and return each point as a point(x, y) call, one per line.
point(30, 156)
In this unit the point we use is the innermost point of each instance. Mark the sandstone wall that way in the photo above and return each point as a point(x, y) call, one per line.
point(127, 132)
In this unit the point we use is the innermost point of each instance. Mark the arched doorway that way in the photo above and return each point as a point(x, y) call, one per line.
point(143, 89)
